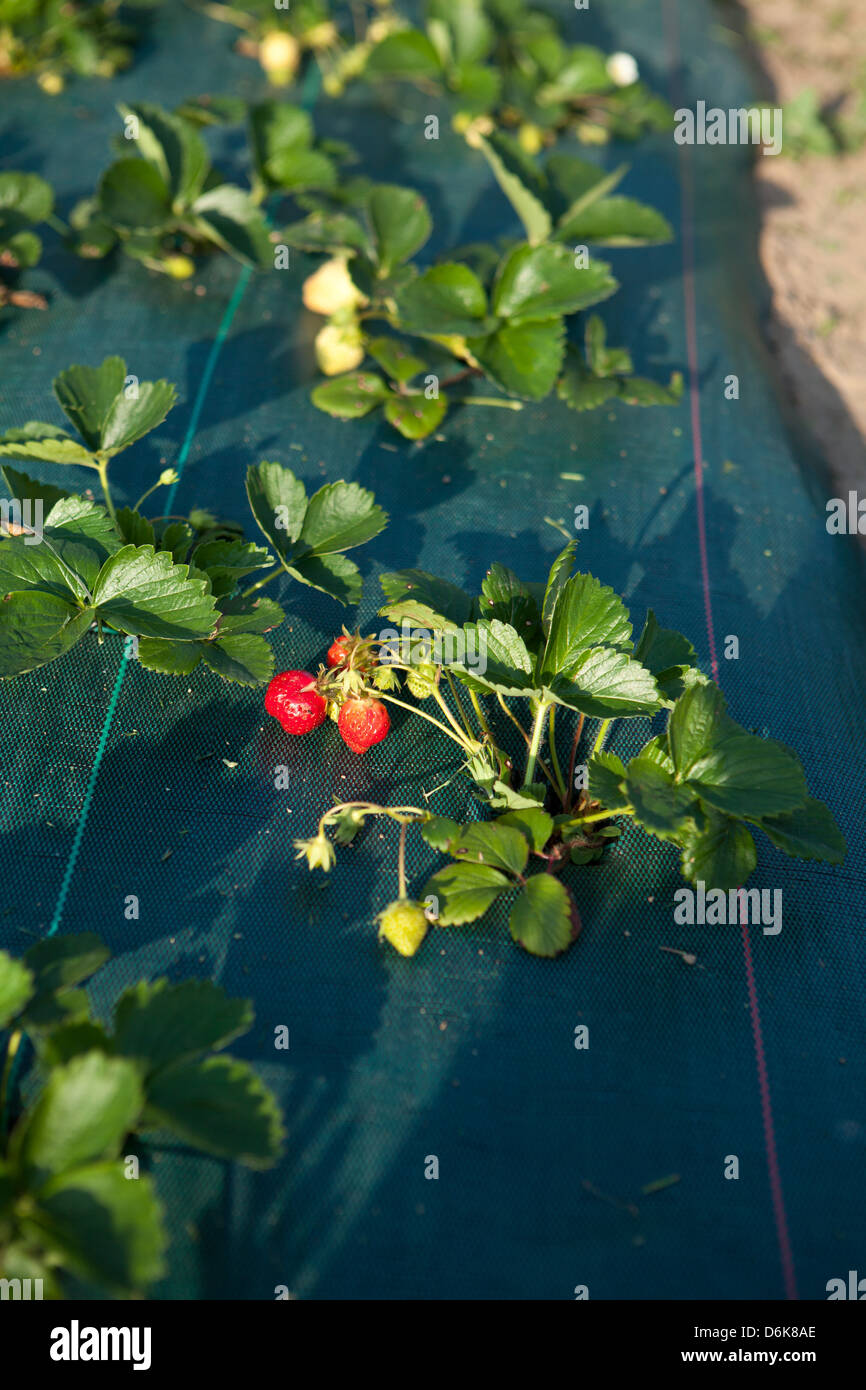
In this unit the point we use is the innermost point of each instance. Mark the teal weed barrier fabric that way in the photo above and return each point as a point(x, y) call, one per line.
point(117, 781)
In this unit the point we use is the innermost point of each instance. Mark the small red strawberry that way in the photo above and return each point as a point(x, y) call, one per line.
point(293, 700)
point(337, 651)
point(362, 723)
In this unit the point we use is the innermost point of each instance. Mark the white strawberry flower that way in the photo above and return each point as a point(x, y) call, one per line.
point(622, 69)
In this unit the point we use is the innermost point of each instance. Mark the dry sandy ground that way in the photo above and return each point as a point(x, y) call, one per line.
point(813, 244)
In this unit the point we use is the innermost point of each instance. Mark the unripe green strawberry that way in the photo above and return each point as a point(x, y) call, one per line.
point(421, 680)
point(404, 924)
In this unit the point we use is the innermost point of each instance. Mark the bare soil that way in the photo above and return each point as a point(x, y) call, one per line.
point(813, 212)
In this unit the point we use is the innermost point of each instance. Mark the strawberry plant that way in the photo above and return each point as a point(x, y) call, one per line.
point(50, 38)
point(509, 62)
point(281, 37)
point(25, 201)
point(69, 565)
point(564, 652)
point(500, 313)
point(74, 1211)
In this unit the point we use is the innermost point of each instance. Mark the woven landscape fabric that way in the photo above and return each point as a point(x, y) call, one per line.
point(118, 781)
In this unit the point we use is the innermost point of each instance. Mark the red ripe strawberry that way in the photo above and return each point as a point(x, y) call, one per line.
point(298, 709)
point(337, 651)
point(363, 723)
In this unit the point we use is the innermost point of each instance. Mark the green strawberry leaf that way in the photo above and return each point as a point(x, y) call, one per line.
point(167, 657)
point(541, 919)
point(135, 529)
point(26, 194)
point(406, 54)
point(221, 1106)
point(433, 603)
point(241, 657)
point(607, 781)
point(500, 846)
point(26, 488)
point(86, 395)
point(536, 825)
point(446, 299)
point(350, 396)
point(606, 684)
point(535, 283)
point(36, 628)
point(661, 805)
point(616, 222)
point(416, 416)
point(722, 854)
point(505, 597)
point(745, 775)
point(809, 832)
point(24, 567)
point(470, 31)
point(578, 184)
point(523, 185)
point(228, 216)
point(326, 231)
point(697, 724)
point(401, 223)
point(395, 361)
point(82, 1115)
point(587, 614)
point(160, 1023)
point(143, 592)
point(560, 572)
point(16, 987)
point(278, 501)
point(133, 195)
point(82, 535)
point(340, 516)
point(129, 418)
point(173, 147)
point(226, 562)
point(440, 832)
point(667, 654)
point(335, 575)
point(107, 1228)
point(249, 615)
point(464, 892)
point(504, 663)
point(523, 359)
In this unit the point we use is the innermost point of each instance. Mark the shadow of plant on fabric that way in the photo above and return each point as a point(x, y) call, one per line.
point(75, 1212)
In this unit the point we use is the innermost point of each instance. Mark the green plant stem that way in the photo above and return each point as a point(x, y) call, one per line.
point(573, 760)
point(226, 14)
point(479, 712)
point(463, 733)
point(452, 686)
point(260, 583)
point(401, 862)
point(15, 1041)
point(520, 729)
point(102, 470)
point(601, 815)
point(144, 496)
point(601, 736)
point(487, 400)
point(459, 737)
point(554, 758)
point(535, 741)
